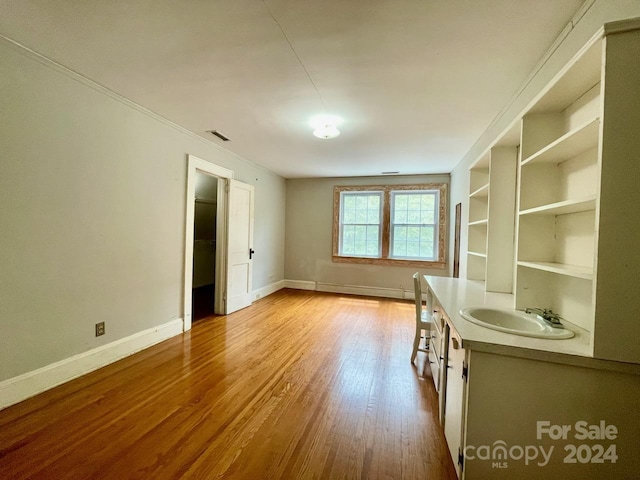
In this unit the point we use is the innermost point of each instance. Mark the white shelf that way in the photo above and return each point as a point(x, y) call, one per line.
point(478, 222)
point(562, 208)
point(582, 138)
point(477, 254)
point(562, 269)
point(481, 192)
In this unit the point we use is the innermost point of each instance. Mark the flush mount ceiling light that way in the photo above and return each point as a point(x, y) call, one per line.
point(325, 126)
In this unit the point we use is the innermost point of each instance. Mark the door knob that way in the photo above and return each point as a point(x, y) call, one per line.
point(251, 252)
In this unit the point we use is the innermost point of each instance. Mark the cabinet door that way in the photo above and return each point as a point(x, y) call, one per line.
point(455, 401)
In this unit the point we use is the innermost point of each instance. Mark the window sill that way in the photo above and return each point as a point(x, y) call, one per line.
point(390, 262)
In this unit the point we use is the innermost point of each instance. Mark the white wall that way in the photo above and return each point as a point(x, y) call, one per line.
point(92, 212)
point(309, 235)
point(570, 42)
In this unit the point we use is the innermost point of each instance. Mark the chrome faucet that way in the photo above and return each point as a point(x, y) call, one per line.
point(547, 315)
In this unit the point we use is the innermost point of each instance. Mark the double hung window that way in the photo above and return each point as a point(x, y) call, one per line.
point(393, 224)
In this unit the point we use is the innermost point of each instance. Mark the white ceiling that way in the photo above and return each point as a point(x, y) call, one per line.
point(416, 81)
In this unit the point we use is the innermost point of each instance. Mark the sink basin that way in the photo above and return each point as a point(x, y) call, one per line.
point(514, 321)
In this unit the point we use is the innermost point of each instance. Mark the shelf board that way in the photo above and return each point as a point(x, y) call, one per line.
point(478, 222)
point(560, 268)
point(578, 140)
point(481, 192)
point(562, 208)
point(477, 254)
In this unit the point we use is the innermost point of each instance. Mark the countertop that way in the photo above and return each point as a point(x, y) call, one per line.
point(454, 293)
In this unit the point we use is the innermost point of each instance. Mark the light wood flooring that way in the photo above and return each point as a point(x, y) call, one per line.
point(301, 385)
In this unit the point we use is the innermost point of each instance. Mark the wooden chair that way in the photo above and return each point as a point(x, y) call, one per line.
point(423, 320)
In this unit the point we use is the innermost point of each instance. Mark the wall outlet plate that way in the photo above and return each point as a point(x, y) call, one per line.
point(99, 329)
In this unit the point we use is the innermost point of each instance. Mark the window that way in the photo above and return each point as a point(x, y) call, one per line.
point(390, 224)
point(361, 220)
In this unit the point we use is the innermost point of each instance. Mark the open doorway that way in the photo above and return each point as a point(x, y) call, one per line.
point(208, 176)
point(231, 253)
point(204, 245)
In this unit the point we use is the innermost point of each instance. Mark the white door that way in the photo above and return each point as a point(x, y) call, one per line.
point(240, 246)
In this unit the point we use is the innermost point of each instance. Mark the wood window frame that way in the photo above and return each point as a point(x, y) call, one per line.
point(440, 263)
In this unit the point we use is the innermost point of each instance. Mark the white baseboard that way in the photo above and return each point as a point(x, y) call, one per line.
point(360, 290)
point(350, 289)
point(300, 284)
point(27, 385)
point(267, 290)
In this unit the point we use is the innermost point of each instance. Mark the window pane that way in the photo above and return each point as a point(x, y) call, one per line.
point(349, 216)
point(349, 201)
point(413, 216)
point(400, 202)
point(426, 249)
point(427, 217)
point(413, 249)
point(427, 201)
point(373, 240)
point(414, 202)
point(426, 234)
point(373, 216)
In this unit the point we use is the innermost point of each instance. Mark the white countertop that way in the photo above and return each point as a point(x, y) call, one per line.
point(453, 294)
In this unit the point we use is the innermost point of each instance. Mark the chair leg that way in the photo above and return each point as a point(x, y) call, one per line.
point(416, 344)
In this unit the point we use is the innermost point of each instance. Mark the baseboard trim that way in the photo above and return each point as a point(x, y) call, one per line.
point(350, 289)
point(300, 284)
point(32, 383)
point(360, 290)
point(267, 290)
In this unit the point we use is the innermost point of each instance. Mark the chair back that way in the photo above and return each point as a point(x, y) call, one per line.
point(417, 290)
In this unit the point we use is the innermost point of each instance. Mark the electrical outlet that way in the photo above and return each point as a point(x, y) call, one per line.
point(99, 329)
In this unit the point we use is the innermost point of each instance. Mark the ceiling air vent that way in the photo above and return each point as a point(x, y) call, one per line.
point(389, 173)
point(221, 136)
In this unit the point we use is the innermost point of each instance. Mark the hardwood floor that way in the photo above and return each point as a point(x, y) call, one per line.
point(301, 385)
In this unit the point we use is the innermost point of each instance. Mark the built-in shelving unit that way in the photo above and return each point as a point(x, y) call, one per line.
point(478, 218)
point(491, 214)
point(577, 203)
point(558, 197)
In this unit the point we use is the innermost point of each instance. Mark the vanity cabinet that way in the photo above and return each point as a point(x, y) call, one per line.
point(576, 228)
point(499, 414)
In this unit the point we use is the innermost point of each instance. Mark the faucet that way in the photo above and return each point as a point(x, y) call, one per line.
point(547, 315)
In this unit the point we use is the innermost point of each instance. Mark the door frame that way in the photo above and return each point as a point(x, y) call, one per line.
point(195, 165)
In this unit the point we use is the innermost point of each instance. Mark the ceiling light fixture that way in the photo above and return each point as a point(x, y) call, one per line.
point(328, 131)
point(325, 126)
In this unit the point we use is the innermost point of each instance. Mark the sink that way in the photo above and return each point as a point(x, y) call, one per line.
point(514, 321)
